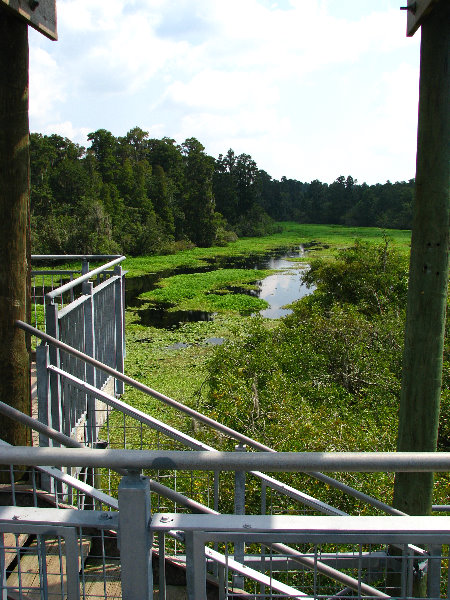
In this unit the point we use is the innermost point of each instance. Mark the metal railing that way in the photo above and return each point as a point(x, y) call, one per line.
point(196, 488)
point(87, 313)
point(129, 427)
point(327, 556)
point(51, 277)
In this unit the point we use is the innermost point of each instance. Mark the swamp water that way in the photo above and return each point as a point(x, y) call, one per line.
point(277, 290)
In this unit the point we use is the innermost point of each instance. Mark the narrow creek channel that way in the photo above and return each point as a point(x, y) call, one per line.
point(277, 289)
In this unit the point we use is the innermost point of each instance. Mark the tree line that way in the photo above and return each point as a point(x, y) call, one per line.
point(141, 195)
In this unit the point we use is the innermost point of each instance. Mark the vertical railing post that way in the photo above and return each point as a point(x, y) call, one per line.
point(434, 571)
point(3, 587)
point(222, 583)
point(44, 405)
point(162, 566)
point(195, 566)
point(54, 396)
point(89, 349)
point(239, 509)
point(119, 326)
point(84, 266)
point(217, 569)
point(262, 587)
point(52, 328)
point(43, 391)
point(135, 538)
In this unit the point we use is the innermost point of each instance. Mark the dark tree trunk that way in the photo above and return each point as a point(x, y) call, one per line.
point(14, 221)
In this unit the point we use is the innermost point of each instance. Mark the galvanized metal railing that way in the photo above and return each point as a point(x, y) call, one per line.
point(52, 277)
point(164, 469)
point(133, 428)
point(87, 317)
point(327, 556)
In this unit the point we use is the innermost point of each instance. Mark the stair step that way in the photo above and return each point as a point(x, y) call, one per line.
point(11, 543)
point(173, 592)
point(102, 578)
point(30, 572)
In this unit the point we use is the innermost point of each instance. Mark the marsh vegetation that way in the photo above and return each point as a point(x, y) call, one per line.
point(326, 377)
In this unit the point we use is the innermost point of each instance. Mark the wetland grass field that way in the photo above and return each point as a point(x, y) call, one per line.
point(173, 360)
point(181, 360)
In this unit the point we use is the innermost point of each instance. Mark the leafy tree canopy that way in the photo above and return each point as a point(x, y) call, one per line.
point(155, 193)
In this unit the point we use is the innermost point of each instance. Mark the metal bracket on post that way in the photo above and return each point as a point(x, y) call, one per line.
point(135, 538)
point(119, 326)
point(84, 266)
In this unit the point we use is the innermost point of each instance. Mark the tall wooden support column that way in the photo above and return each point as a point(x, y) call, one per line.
point(14, 207)
point(428, 277)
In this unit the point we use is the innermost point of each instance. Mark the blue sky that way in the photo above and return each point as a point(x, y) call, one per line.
point(311, 89)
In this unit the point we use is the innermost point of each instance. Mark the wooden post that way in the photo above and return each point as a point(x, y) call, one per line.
point(14, 210)
point(428, 276)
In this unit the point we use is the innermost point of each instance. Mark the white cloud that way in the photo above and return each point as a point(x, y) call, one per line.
point(254, 128)
point(223, 91)
point(89, 15)
point(309, 88)
point(67, 129)
point(47, 89)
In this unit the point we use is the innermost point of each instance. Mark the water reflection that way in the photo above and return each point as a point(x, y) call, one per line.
point(278, 290)
point(281, 289)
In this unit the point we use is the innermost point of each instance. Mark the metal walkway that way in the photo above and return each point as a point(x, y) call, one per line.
point(85, 516)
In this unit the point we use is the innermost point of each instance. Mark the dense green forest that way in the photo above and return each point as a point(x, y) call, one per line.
point(139, 195)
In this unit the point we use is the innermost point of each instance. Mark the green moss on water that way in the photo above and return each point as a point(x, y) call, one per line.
point(155, 359)
point(180, 372)
point(325, 239)
point(208, 291)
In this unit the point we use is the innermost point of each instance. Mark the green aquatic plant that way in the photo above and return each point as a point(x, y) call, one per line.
point(208, 291)
point(321, 240)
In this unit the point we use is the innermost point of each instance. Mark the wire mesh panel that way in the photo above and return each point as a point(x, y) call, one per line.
point(278, 565)
point(41, 561)
point(101, 573)
point(104, 328)
point(87, 319)
point(44, 560)
point(59, 563)
point(44, 281)
point(72, 331)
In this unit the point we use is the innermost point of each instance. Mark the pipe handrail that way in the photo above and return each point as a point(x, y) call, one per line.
point(67, 441)
point(200, 460)
point(196, 445)
point(74, 256)
point(68, 286)
point(202, 418)
point(144, 388)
